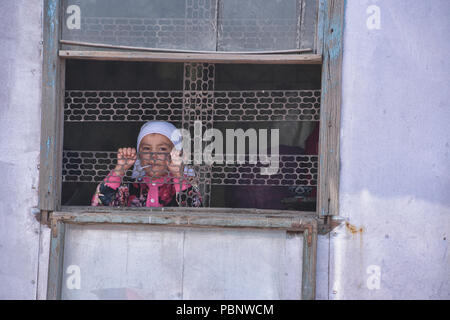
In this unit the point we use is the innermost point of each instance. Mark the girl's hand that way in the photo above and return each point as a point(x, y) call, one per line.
point(126, 157)
point(176, 163)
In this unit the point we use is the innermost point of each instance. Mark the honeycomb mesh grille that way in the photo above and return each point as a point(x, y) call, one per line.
point(198, 102)
point(277, 105)
point(94, 166)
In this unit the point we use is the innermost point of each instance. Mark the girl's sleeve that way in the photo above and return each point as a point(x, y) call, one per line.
point(107, 192)
point(187, 195)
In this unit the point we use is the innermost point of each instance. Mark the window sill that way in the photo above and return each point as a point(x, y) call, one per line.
point(191, 217)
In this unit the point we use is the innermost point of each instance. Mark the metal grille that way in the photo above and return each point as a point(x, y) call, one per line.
point(94, 166)
point(293, 170)
point(198, 100)
point(302, 105)
point(123, 105)
point(198, 105)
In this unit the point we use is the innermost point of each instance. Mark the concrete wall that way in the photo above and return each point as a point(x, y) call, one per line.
point(394, 190)
point(395, 165)
point(20, 99)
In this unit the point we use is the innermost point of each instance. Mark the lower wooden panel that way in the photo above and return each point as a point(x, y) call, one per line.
point(148, 262)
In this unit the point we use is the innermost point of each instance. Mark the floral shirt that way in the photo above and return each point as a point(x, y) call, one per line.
point(146, 193)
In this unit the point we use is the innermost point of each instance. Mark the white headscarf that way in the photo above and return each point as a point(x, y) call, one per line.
point(164, 128)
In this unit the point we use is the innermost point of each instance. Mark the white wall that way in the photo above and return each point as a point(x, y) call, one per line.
point(395, 165)
point(20, 99)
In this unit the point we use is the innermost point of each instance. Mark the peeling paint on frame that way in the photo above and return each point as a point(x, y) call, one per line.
point(330, 45)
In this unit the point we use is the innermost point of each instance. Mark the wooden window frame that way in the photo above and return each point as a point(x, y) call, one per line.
point(329, 44)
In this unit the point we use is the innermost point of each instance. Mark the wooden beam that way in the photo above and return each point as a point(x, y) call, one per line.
point(330, 32)
point(51, 109)
point(56, 262)
point(199, 217)
point(161, 50)
point(309, 263)
point(194, 57)
point(187, 210)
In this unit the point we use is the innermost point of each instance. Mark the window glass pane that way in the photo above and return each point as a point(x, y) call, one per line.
point(257, 25)
point(201, 25)
point(171, 24)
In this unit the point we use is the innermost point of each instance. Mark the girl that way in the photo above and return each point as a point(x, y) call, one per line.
point(161, 180)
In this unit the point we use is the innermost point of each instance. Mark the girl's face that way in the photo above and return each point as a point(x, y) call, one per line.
point(154, 153)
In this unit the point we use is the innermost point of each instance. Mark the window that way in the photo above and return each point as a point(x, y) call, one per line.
point(294, 67)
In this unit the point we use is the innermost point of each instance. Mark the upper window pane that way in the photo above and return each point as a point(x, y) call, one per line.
point(258, 25)
point(200, 25)
point(170, 24)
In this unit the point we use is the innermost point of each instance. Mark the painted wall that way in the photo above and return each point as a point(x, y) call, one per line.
point(395, 165)
point(394, 190)
point(20, 99)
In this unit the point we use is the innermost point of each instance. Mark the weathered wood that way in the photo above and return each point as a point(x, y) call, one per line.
point(198, 218)
point(194, 57)
point(188, 210)
point(59, 142)
point(55, 272)
point(330, 110)
point(309, 263)
point(132, 48)
point(51, 116)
